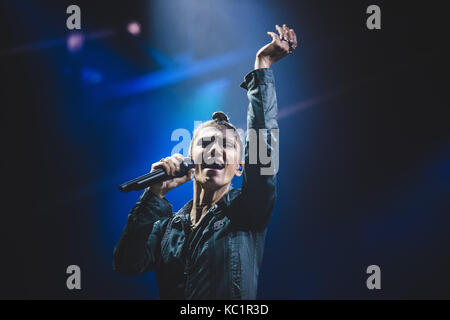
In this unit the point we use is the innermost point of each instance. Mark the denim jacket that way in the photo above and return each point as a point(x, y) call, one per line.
point(221, 257)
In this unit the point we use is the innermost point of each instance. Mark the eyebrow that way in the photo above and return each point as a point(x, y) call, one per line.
point(208, 138)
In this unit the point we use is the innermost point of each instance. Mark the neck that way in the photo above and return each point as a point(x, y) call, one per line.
point(205, 199)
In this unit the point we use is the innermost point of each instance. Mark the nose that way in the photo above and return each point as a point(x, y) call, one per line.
point(216, 149)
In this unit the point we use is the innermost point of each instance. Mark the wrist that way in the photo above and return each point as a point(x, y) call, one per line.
point(157, 191)
point(262, 62)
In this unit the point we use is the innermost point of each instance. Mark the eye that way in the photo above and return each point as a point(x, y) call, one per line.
point(228, 144)
point(206, 142)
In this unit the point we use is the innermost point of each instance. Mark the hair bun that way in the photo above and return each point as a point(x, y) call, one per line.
point(220, 116)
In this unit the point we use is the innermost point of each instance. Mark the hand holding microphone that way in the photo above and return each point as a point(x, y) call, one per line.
point(165, 175)
point(171, 166)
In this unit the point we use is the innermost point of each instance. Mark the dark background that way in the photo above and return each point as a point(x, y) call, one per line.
point(364, 139)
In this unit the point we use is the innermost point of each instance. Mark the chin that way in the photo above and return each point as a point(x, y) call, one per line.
point(213, 183)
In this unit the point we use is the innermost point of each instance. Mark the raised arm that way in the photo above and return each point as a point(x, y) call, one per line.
point(261, 149)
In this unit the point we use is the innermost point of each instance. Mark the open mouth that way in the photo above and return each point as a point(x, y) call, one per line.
point(213, 166)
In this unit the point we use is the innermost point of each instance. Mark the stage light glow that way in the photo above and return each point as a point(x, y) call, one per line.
point(134, 28)
point(91, 76)
point(161, 78)
point(75, 42)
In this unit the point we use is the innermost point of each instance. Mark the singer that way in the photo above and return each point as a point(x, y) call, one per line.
point(212, 248)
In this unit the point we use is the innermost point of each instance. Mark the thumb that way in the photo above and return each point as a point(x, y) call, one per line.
point(183, 179)
point(273, 35)
point(191, 174)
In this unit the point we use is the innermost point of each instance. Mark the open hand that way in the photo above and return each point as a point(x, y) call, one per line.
point(282, 45)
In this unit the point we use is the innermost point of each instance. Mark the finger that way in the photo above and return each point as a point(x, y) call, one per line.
point(185, 178)
point(176, 162)
point(293, 37)
point(171, 166)
point(165, 166)
point(274, 36)
point(280, 31)
point(178, 157)
point(157, 165)
point(285, 32)
point(160, 165)
point(191, 174)
point(182, 180)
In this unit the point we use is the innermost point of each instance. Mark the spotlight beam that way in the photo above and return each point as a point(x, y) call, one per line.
point(172, 75)
point(48, 44)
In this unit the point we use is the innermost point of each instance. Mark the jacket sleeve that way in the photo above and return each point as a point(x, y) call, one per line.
point(138, 249)
point(261, 147)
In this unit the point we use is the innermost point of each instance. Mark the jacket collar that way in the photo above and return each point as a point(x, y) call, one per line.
point(223, 203)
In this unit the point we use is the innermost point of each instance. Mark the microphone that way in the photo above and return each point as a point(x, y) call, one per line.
point(158, 175)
